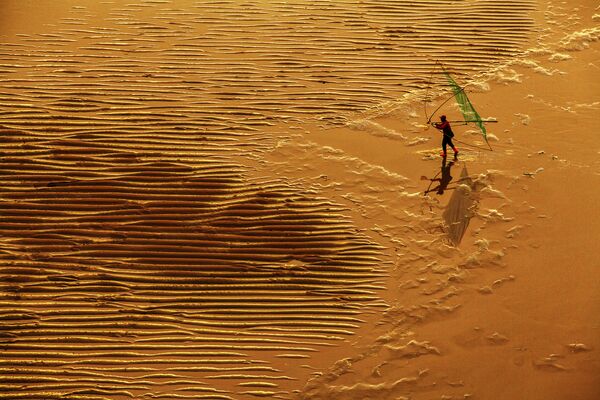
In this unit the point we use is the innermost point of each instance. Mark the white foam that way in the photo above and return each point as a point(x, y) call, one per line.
point(375, 129)
point(506, 76)
point(491, 136)
point(525, 119)
point(580, 40)
point(538, 68)
point(556, 57)
point(417, 140)
point(491, 192)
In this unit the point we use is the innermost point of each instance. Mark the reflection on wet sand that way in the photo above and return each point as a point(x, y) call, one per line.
point(445, 178)
point(459, 211)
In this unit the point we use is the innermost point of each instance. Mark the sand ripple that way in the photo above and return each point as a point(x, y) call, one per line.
point(139, 258)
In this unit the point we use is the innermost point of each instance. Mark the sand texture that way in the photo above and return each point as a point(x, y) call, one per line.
point(232, 200)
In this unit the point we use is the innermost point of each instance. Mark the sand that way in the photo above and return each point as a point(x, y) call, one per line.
point(232, 200)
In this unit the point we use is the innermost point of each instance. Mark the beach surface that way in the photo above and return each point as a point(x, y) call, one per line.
point(244, 199)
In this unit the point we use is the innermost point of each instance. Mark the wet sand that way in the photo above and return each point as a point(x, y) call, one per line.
point(226, 200)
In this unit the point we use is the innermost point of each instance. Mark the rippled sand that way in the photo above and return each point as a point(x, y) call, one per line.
point(230, 200)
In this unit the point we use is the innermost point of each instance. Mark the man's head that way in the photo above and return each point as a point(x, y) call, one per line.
point(443, 118)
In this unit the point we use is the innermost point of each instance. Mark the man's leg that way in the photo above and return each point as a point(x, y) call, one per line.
point(452, 145)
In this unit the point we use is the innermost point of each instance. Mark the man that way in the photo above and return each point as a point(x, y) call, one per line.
point(444, 126)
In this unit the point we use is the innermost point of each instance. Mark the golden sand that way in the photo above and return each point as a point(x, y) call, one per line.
point(232, 200)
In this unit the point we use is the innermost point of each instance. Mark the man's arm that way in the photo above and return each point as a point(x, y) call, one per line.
point(441, 125)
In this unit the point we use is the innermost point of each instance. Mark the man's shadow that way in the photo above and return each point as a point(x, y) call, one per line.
point(445, 178)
